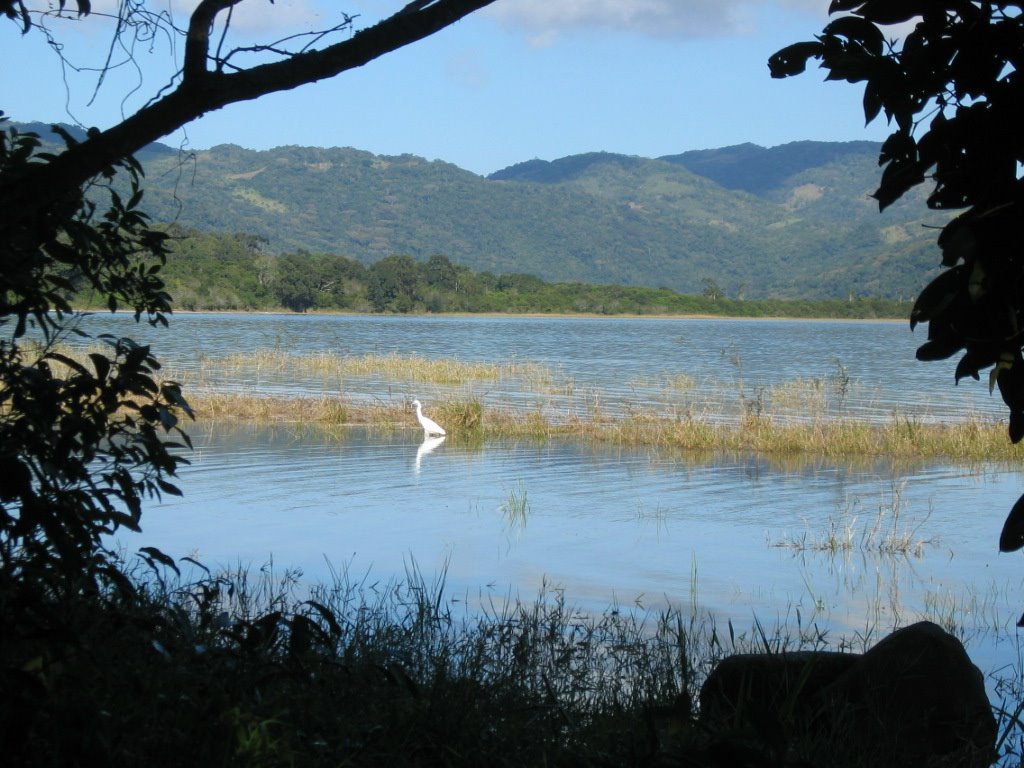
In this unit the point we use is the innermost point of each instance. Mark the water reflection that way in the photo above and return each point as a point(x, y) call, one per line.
point(604, 523)
point(428, 445)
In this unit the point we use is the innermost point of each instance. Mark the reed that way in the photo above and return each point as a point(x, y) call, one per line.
point(886, 532)
point(898, 438)
point(971, 612)
point(462, 417)
point(320, 410)
point(799, 396)
point(392, 367)
point(516, 509)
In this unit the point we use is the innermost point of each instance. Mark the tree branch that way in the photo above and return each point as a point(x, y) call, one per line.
point(197, 43)
point(202, 91)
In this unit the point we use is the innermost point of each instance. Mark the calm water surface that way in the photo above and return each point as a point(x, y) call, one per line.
point(605, 524)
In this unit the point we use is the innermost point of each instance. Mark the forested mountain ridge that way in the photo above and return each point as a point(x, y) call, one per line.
point(811, 229)
point(794, 221)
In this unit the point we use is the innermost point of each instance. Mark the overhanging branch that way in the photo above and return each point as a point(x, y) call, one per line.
point(202, 91)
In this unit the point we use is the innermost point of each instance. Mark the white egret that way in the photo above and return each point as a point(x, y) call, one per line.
point(430, 427)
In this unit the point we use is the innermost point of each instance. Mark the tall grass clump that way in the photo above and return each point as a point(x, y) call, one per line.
point(886, 531)
point(462, 417)
point(516, 509)
point(244, 669)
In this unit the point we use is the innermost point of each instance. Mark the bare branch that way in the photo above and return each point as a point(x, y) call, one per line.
point(309, 39)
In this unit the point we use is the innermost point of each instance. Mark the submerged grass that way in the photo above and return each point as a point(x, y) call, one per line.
point(886, 531)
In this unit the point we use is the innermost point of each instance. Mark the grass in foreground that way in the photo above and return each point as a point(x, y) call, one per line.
point(249, 670)
point(243, 669)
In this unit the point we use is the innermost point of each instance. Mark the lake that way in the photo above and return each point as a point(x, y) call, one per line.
point(738, 537)
point(612, 364)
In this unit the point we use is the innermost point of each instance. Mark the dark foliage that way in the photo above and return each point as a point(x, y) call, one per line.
point(953, 91)
point(207, 673)
point(207, 271)
point(81, 443)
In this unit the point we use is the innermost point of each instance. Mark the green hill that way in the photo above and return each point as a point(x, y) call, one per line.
point(786, 222)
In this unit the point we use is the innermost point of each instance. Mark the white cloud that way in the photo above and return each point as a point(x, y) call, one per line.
point(544, 20)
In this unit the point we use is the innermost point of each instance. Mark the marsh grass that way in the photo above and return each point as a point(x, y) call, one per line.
point(678, 382)
point(466, 416)
point(899, 438)
point(259, 669)
point(516, 509)
point(971, 611)
point(1008, 687)
point(462, 417)
point(391, 367)
point(805, 396)
point(312, 410)
point(681, 382)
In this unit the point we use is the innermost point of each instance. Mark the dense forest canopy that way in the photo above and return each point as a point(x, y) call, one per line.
point(809, 230)
point(207, 271)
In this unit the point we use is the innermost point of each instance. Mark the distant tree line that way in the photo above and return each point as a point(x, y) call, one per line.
point(208, 271)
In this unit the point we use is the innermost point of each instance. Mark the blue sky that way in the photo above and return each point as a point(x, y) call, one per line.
point(519, 80)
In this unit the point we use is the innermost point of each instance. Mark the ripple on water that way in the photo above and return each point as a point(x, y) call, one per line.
point(605, 523)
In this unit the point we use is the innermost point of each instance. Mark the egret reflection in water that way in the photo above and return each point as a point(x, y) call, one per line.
point(428, 445)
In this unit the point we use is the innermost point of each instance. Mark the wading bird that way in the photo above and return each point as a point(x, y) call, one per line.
point(430, 427)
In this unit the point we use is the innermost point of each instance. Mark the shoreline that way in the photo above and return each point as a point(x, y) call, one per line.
point(516, 315)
